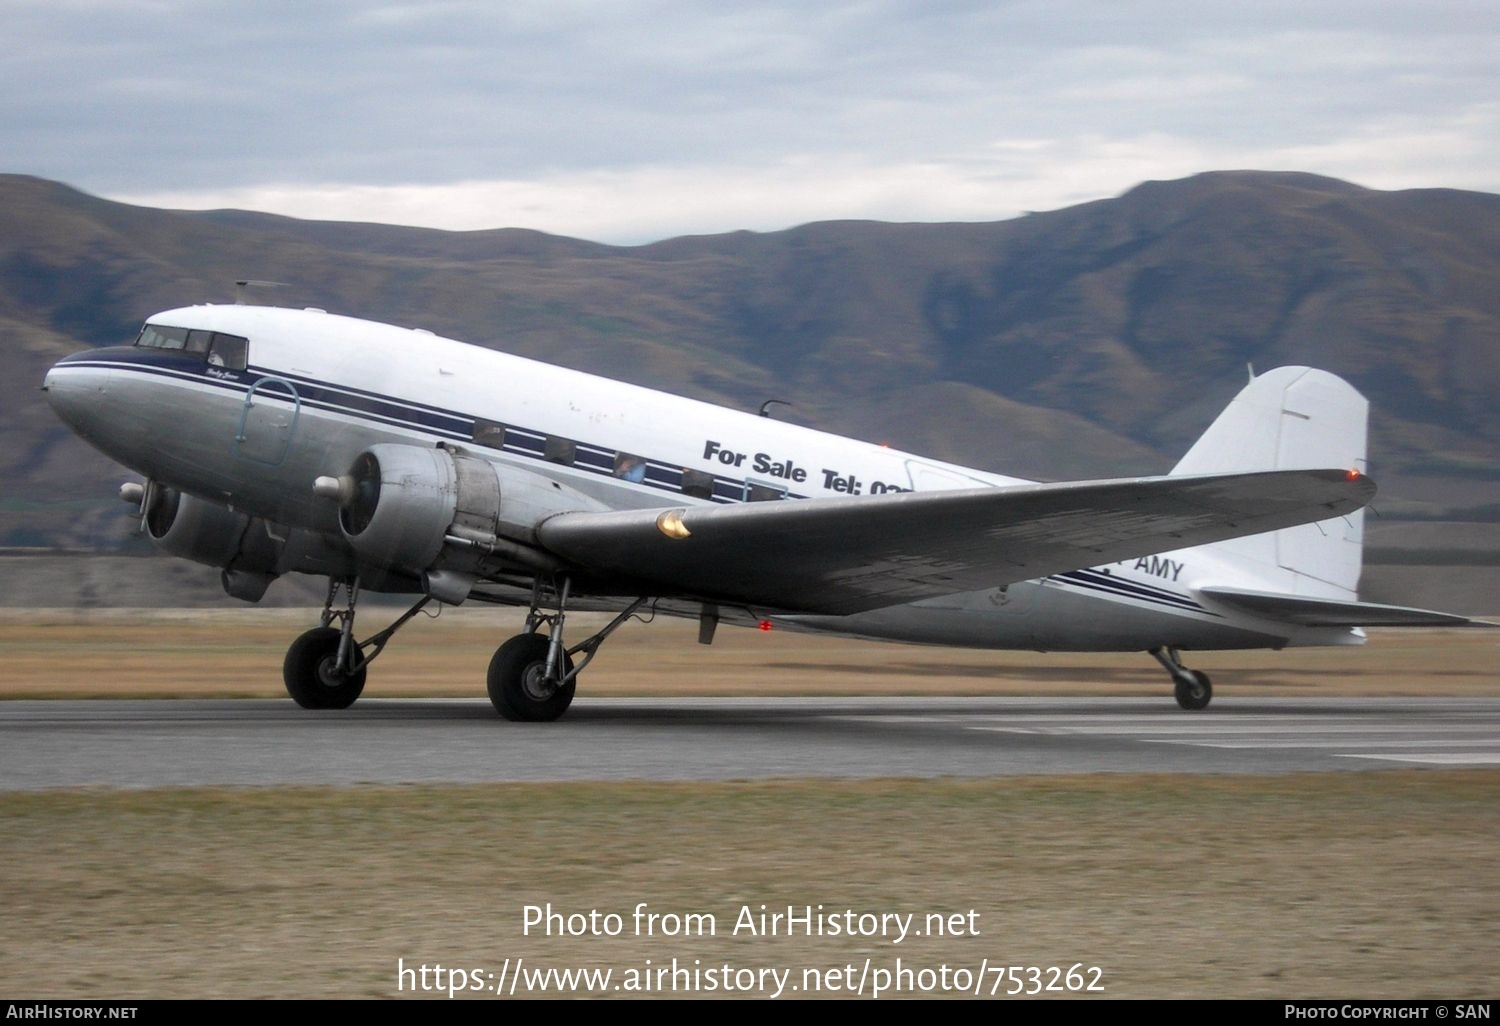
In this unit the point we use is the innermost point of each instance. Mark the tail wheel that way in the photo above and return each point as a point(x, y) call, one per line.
point(1194, 691)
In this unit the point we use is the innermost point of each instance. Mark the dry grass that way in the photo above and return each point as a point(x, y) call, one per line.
point(1371, 884)
point(1363, 884)
point(239, 653)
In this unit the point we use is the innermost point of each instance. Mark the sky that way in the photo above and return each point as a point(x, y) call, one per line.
point(628, 122)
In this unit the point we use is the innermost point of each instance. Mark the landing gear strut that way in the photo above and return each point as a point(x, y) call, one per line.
point(1193, 689)
point(325, 667)
point(532, 678)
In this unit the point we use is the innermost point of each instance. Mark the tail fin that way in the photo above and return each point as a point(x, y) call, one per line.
point(1292, 418)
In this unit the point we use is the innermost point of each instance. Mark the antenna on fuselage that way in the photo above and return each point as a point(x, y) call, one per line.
point(765, 407)
point(240, 288)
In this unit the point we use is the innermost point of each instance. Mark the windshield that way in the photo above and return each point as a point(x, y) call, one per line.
point(218, 349)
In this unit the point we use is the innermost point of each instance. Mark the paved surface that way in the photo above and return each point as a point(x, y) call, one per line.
point(46, 744)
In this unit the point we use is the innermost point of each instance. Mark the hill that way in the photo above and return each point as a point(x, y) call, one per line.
point(1092, 341)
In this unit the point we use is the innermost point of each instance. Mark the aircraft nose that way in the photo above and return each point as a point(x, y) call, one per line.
point(73, 389)
point(92, 392)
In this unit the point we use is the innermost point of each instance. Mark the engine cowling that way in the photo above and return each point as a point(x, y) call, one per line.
point(248, 553)
point(420, 511)
point(205, 532)
point(404, 500)
point(188, 527)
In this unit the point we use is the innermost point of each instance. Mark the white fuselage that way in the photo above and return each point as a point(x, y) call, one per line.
point(320, 388)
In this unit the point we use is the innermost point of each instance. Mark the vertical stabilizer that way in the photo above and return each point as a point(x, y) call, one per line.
point(1292, 418)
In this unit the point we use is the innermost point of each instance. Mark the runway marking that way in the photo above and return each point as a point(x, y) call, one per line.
point(1433, 758)
point(1480, 744)
point(1130, 725)
point(1219, 728)
point(1434, 743)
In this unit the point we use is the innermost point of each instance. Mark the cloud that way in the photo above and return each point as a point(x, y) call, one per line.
point(627, 121)
point(641, 204)
point(646, 204)
point(1003, 178)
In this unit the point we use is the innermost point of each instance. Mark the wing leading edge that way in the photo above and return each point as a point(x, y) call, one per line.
point(840, 556)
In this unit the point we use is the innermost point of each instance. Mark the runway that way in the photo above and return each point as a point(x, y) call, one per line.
point(191, 743)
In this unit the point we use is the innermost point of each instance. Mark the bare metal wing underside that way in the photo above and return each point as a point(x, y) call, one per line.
point(842, 556)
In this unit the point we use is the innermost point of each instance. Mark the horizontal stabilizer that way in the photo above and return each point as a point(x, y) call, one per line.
point(1317, 612)
point(846, 555)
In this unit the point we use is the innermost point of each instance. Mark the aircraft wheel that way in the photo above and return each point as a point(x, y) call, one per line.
point(517, 681)
point(310, 677)
point(1196, 691)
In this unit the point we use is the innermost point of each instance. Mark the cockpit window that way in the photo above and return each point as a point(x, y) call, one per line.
point(228, 351)
point(155, 336)
point(220, 350)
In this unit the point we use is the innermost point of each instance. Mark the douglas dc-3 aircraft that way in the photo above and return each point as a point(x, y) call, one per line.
point(388, 459)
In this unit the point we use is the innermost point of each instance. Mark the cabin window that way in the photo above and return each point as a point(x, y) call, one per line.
point(488, 433)
point(630, 467)
point(763, 492)
point(697, 484)
point(560, 450)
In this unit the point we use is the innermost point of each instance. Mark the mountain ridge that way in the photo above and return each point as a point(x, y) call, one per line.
point(1096, 340)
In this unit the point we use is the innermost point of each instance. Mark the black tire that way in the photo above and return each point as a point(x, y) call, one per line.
point(517, 689)
point(309, 675)
point(1196, 693)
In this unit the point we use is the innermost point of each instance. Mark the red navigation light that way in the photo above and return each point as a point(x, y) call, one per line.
point(1353, 475)
point(764, 625)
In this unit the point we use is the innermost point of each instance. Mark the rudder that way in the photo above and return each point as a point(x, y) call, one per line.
point(1293, 418)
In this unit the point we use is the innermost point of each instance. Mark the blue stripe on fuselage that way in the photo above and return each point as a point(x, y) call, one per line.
point(1103, 581)
point(373, 406)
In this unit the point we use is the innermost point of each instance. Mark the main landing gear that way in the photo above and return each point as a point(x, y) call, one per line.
point(325, 667)
point(1193, 688)
point(532, 677)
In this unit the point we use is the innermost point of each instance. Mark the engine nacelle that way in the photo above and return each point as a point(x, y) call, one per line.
point(249, 554)
point(205, 532)
point(405, 499)
point(191, 528)
point(420, 511)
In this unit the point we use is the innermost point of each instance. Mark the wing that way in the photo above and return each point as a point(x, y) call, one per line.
point(841, 556)
point(1318, 612)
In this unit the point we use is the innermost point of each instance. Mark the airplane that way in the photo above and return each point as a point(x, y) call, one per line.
point(275, 440)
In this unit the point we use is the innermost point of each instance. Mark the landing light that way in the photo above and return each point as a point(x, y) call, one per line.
point(670, 524)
